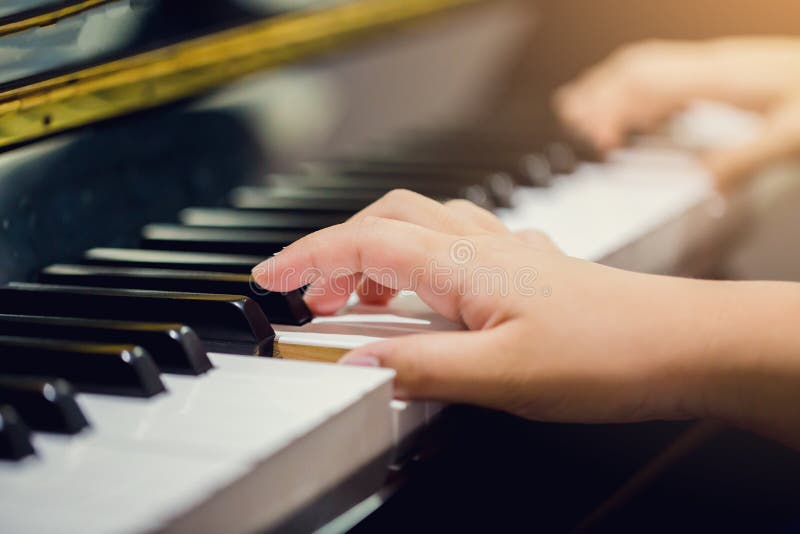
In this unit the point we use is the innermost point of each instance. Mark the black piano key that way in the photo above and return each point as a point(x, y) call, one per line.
point(430, 170)
point(283, 308)
point(538, 169)
point(522, 142)
point(91, 367)
point(502, 187)
point(562, 157)
point(473, 136)
point(46, 404)
point(259, 220)
point(531, 161)
point(409, 167)
point(299, 200)
point(174, 347)
point(476, 139)
point(165, 259)
point(285, 186)
point(218, 319)
point(222, 240)
point(487, 189)
point(15, 436)
point(380, 180)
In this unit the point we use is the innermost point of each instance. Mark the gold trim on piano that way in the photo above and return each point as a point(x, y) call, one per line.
point(309, 353)
point(49, 17)
point(191, 67)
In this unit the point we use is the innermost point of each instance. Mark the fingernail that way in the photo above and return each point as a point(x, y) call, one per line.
point(360, 360)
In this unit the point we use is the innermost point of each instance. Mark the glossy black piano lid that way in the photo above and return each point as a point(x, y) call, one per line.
point(91, 367)
point(100, 187)
point(140, 26)
point(20, 10)
point(45, 404)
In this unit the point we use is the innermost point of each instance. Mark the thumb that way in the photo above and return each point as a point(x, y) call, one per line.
point(445, 366)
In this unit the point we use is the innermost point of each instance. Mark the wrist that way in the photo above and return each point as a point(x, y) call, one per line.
point(710, 344)
point(669, 342)
point(687, 341)
point(771, 64)
point(754, 373)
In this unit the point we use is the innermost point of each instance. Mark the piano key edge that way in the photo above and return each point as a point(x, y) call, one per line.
point(344, 475)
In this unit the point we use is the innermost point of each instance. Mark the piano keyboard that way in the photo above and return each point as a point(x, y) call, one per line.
point(130, 399)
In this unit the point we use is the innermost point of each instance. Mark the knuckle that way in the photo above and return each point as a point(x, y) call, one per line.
point(369, 221)
point(640, 57)
point(366, 225)
point(459, 203)
point(537, 233)
point(399, 196)
point(634, 50)
point(631, 57)
point(387, 205)
point(653, 44)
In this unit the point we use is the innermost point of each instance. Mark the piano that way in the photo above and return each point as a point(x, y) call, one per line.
point(145, 383)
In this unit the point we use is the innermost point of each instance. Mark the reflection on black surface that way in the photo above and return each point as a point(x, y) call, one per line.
point(119, 29)
point(101, 187)
point(13, 7)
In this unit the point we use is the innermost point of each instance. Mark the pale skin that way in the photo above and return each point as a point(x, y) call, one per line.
point(606, 345)
point(641, 85)
point(603, 344)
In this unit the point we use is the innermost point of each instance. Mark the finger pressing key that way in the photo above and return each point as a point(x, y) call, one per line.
point(393, 253)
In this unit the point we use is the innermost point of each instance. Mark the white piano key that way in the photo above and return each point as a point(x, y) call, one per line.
point(318, 339)
point(246, 407)
point(631, 195)
point(408, 418)
point(88, 488)
point(432, 410)
point(146, 460)
point(383, 318)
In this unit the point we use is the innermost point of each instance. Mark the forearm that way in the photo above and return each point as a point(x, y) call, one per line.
point(751, 71)
point(750, 376)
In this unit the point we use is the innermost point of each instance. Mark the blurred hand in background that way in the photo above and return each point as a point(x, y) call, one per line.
point(643, 84)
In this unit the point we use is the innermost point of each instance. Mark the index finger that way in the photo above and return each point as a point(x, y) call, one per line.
point(448, 218)
point(395, 254)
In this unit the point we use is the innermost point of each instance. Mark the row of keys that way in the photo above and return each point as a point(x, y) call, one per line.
point(120, 317)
